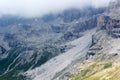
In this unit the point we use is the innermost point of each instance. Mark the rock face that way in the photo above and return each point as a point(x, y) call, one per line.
point(108, 30)
point(105, 47)
point(110, 20)
point(111, 25)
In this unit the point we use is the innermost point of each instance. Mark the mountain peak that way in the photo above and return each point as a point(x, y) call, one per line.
point(114, 9)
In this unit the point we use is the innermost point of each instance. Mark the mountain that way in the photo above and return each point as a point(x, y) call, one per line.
point(76, 44)
point(26, 44)
point(104, 55)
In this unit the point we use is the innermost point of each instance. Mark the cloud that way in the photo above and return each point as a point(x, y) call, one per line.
point(35, 8)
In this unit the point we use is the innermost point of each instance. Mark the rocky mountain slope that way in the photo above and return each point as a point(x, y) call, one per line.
point(27, 45)
point(103, 57)
point(72, 45)
point(55, 65)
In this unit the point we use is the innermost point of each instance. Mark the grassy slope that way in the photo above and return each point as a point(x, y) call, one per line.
point(102, 70)
point(107, 74)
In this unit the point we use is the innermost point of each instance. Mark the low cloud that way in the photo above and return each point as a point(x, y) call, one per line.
point(35, 8)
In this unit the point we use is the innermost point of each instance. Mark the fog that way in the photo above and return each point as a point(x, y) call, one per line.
point(35, 8)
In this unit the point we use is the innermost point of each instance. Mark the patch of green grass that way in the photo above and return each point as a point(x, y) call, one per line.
point(108, 65)
point(87, 72)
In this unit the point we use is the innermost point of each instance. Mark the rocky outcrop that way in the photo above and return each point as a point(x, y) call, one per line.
point(110, 20)
point(93, 50)
point(111, 25)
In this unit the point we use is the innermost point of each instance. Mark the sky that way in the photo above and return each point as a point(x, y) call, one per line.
point(37, 8)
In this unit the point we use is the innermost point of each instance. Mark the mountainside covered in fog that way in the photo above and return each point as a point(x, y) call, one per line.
point(29, 43)
point(76, 44)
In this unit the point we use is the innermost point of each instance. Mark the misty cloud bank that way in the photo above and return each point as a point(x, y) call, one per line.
point(35, 8)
